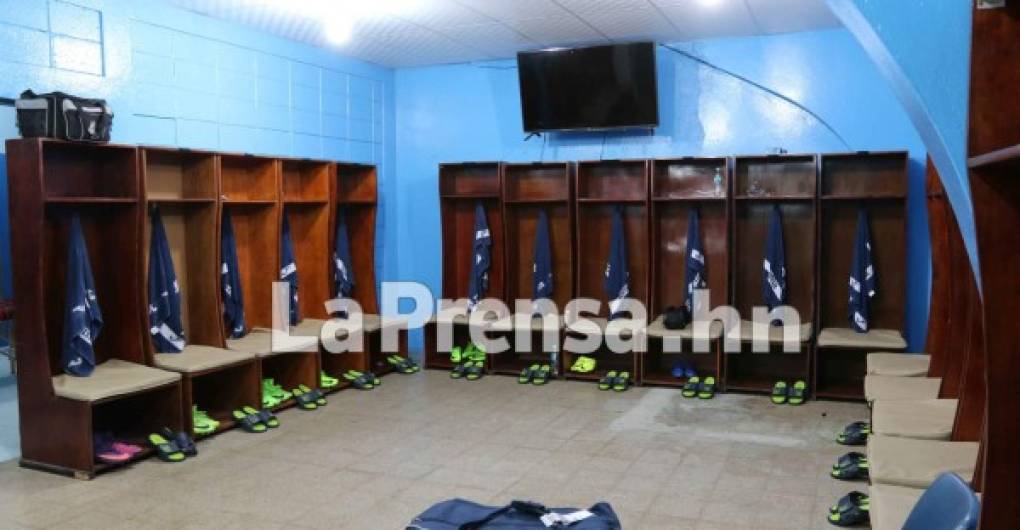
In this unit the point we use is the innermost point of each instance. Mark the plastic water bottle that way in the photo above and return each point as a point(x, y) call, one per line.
point(718, 183)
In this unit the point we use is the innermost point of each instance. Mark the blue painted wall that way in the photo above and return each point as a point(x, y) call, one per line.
point(177, 78)
point(472, 112)
point(923, 51)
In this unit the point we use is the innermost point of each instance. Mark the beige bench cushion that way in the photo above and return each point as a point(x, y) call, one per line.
point(112, 378)
point(891, 505)
point(775, 334)
point(312, 327)
point(658, 329)
point(890, 388)
point(929, 419)
point(917, 463)
point(899, 364)
point(259, 342)
point(875, 339)
point(600, 326)
point(509, 323)
point(197, 358)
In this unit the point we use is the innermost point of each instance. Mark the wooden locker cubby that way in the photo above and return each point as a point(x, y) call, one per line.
point(461, 187)
point(759, 183)
point(601, 186)
point(849, 182)
point(527, 190)
point(49, 181)
point(679, 186)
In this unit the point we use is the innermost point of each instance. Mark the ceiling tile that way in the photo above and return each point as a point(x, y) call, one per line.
point(445, 13)
point(645, 23)
point(557, 31)
point(516, 9)
point(777, 16)
point(602, 6)
point(698, 21)
point(495, 39)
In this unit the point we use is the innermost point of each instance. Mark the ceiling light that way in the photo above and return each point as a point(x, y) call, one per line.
point(338, 29)
point(710, 3)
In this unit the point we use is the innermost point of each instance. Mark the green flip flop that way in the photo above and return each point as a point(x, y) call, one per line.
point(780, 392)
point(327, 381)
point(607, 381)
point(201, 422)
point(707, 388)
point(267, 417)
point(166, 450)
point(798, 393)
point(622, 382)
point(691, 387)
point(541, 375)
point(584, 365)
point(456, 355)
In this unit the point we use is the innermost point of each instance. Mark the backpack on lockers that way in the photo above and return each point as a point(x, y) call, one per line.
point(59, 115)
point(459, 514)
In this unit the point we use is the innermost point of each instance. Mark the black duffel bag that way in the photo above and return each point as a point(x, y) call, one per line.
point(59, 115)
point(459, 514)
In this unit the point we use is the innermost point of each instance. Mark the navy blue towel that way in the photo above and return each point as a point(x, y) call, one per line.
point(695, 274)
point(773, 279)
point(165, 324)
point(862, 277)
point(82, 318)
point(541, 268)
point(480, 259)
point(230, 281)
point(616, 284)
point(343, 265)
point(288, 269)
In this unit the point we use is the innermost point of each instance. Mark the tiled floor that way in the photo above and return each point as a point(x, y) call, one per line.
point(372, 460)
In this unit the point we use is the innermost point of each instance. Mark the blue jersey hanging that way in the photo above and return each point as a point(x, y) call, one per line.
point(695, 274)
point(541, 267)
point(773, 279)
point(230, 281)
point(289, 270)
point(480, 259)
point(165, 324)
point(343, 265)
point(862, 277)
point(82, 318)
point(617, 280)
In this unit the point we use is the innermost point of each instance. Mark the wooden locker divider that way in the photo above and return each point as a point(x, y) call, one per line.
point(600, 187)
point(527, 190)
point(461, 187)
point(679, 186)
point(50, 180)
point(849, 182)
point(183, 185)
point(759, 183)
point(250, 190)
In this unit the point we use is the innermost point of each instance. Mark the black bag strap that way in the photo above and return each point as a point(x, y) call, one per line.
point(533, 508)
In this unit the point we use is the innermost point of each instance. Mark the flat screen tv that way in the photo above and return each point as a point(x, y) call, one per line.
point(594, 88)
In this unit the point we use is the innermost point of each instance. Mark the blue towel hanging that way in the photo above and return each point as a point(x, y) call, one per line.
point(289, 270)
point(230, 281)
point(82, 318)
point(616, 284)
point(343, 265)
point(773, 280)
point(863, 285)
point(478, 284)
point(165, 324)
point(541, 268)
point(695, 274)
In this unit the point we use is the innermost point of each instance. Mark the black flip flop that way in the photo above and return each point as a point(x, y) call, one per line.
point(361, 383)
point(183, 441)
point(853, 515)
point(853, 437)
point(474, 372)
point(305, 401)
point(541, 376)
point(851, 466)
point(458, 371)
point(854, 498)
point(249, 422)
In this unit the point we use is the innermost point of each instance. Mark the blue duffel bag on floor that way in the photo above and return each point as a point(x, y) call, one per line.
point(459, 514)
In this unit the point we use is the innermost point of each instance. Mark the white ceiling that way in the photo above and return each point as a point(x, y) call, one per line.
point(451, 31)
